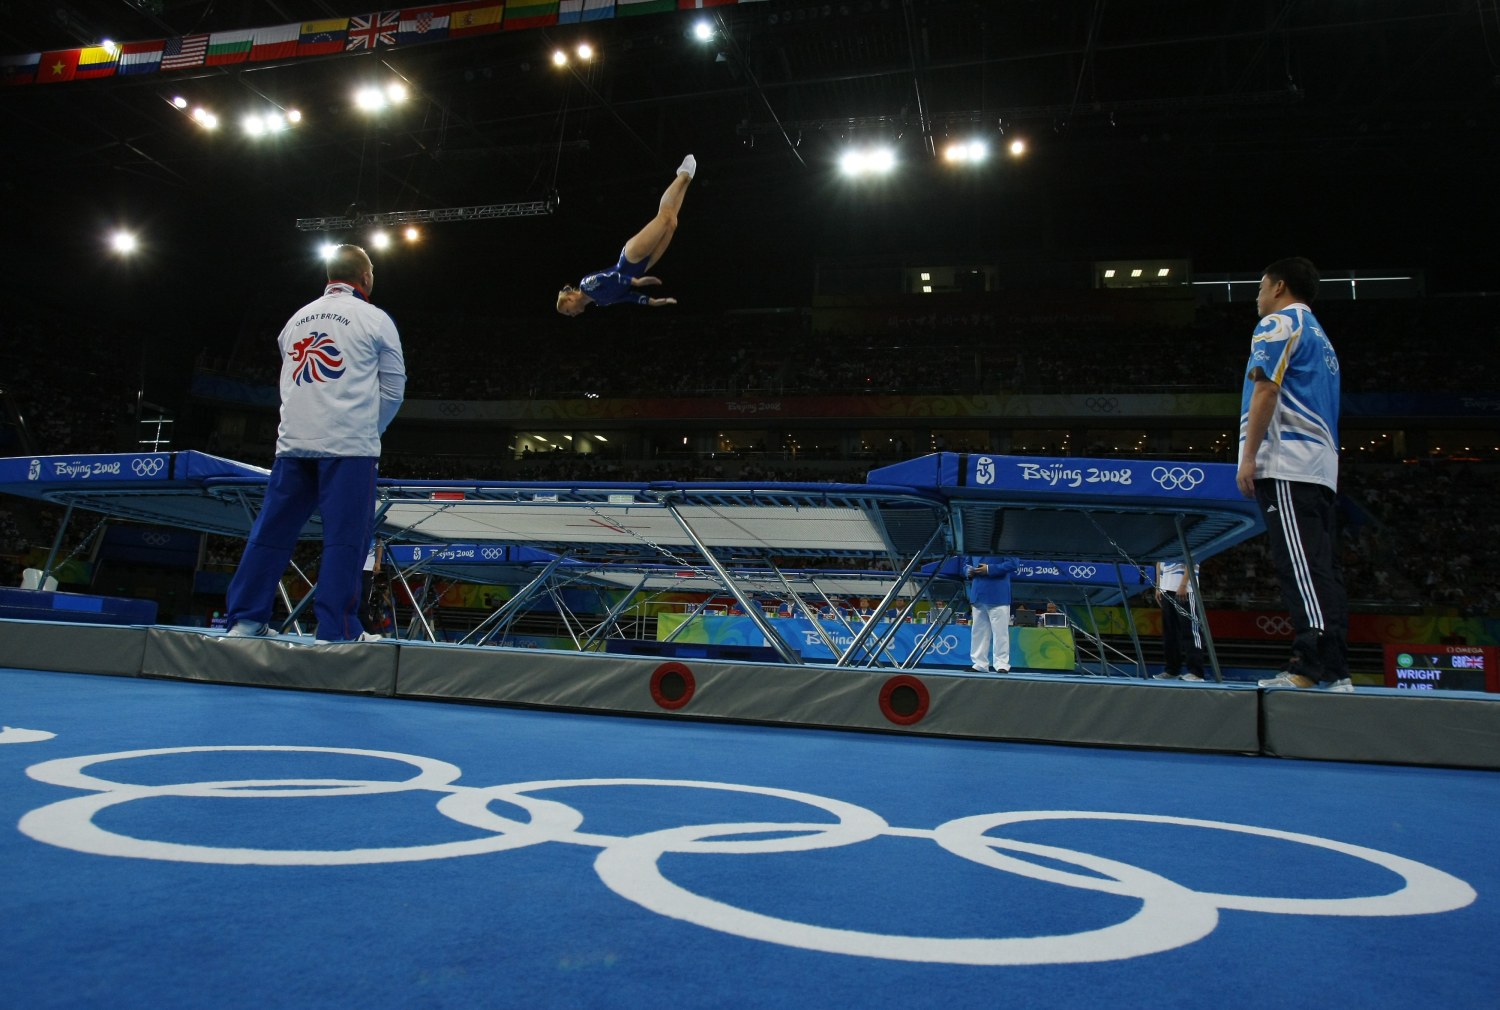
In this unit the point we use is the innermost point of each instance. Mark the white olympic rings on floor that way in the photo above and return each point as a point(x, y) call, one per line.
point(1171, 915)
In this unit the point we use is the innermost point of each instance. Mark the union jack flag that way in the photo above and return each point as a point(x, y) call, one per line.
point(377, 29)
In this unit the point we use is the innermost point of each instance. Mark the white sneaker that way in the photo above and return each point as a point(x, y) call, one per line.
point(1192, 677)
point(980, 669)
point(1344, 686)
point(1285, 679)
point(689, 165)
point(250, 629)
point(1164, 675)
point(1002, 669)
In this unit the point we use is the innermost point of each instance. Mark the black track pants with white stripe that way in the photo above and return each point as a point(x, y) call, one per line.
point(1302, 531)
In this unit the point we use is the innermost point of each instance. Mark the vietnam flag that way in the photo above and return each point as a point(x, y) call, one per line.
point(96, 61)
point(475, 19)
point(59, 65)
point(530, 14)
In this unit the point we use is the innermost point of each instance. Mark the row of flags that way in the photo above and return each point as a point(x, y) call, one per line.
point(357, 34)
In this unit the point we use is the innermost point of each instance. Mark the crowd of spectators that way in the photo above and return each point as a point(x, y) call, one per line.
point(1414, 535)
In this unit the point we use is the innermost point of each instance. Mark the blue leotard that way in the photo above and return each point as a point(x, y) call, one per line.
point(610, 287)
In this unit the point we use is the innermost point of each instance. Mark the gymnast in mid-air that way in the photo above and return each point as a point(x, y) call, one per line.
point(622, 282)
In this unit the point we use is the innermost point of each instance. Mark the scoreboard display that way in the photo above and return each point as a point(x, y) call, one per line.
point(1443, 667)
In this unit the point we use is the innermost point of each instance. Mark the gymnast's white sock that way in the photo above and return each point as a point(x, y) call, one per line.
point(689, 165)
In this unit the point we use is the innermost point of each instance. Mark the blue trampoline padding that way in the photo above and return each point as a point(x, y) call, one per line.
point(43, 605)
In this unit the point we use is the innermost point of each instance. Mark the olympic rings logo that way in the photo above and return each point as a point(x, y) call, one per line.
point(492, 553)
point(941, 644)
point(1171, 915)
point(1177, 478)
point(1274, 624)
point(152, 538)
point(1102, 404)
point(1082, 571)
point(147, 466)
point(452, 408)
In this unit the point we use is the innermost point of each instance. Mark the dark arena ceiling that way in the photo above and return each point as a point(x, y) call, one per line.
point(1360, 133)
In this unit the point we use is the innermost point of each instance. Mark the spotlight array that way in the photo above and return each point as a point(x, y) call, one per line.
point(966, 152)
point(373, 99)
point(583, 51)
point(857, 162)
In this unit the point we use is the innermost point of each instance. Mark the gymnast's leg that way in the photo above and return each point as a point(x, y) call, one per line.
point(651, 241)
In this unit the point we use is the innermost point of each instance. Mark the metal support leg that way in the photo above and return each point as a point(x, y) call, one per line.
point(56, 545)
point(930, 636)
point(775, 640)
point(614, 612)
point(1135, 638)
point(514, 603)
point(1199, 608)
point(911, 566)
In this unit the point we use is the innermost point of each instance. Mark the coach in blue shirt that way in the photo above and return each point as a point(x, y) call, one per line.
point(988, 582)
point(1289, 463)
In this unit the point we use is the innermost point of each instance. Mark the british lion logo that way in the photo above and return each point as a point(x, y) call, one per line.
point(317, 359)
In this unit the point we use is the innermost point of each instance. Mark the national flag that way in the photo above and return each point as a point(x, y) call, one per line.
point(58, 65)
point(530, 14)
point(140, 57)
point(279, 43)
point(19, 69)
point(184, 51)
point(377, 29)
point(627, 8)
point(319, 37)
point(475, 19)
point(96, 61)
point(423, 24)
point(570, 12)
point(229, 47)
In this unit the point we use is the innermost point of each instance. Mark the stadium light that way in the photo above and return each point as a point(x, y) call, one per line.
point(369, 99)
point(327, 249)
point(381, 239)
point(412, 233)
point(205, 119)
point(559, 58)
point(875, 161)
point(703, 31)
point(179, 102)
point(966, 152)
point(123, 242)
point(396, 92)
point(1017, 147)
point(585, 51)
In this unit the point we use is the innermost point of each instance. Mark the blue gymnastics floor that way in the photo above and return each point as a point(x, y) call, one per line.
point(191, 845)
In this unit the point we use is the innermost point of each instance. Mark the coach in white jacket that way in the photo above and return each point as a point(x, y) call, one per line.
point(342, 380)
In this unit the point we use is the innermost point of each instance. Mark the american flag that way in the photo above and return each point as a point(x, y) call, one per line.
point(184, 51)
point(377, 29)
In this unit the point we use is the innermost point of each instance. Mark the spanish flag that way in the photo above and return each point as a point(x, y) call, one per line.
point(475, 19)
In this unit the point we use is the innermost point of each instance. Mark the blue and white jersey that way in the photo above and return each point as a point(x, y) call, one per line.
point(1171, 576)
point(1302, 442)
point(343, 376)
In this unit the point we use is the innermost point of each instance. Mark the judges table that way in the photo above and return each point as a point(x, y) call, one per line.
point(1030, 648)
